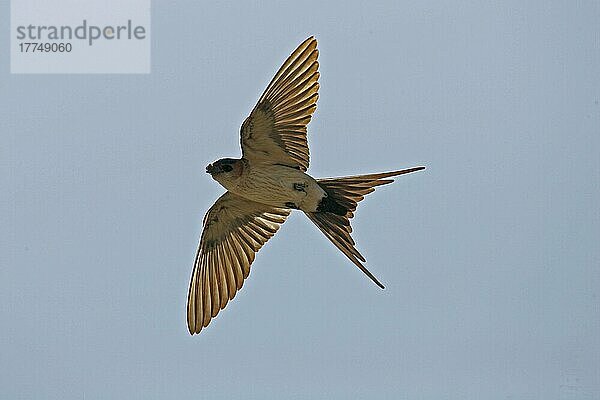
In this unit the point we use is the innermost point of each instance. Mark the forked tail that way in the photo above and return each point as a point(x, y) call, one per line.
point(344, 194)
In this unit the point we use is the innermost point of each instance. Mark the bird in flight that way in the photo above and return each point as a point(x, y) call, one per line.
point(267, 183)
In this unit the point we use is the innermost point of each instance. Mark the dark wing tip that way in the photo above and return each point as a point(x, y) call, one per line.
point(192, 328)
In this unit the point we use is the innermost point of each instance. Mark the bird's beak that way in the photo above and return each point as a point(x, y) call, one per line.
point(210, 169)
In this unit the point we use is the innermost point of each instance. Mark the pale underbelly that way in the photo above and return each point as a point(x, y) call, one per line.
point(280, 186)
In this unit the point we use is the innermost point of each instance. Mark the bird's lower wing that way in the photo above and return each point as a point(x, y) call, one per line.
point(234, 230)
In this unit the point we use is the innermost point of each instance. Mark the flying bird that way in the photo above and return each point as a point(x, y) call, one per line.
point(266, 183)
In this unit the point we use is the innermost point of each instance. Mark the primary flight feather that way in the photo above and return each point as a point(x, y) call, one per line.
point(266, 184)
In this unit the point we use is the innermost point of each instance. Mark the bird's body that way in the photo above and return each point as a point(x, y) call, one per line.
point(266, 183)
point(276, 185)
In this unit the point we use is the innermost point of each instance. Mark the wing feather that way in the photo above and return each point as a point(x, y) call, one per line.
point(234, 230)
point(275, 131)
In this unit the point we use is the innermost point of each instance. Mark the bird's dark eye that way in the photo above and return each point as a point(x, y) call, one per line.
point(227, 168)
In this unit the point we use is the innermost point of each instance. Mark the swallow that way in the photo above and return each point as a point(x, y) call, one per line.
point(266, 184)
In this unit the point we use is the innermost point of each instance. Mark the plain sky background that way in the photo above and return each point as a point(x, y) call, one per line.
point(490, 257)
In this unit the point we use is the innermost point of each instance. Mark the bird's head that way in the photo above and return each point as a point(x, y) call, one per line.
point(225, 170)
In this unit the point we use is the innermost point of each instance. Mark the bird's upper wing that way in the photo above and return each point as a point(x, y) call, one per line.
point(275, 131)
point(234, 230)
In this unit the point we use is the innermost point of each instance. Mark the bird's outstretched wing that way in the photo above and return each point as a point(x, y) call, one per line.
point(234, 230)
point(275, 131)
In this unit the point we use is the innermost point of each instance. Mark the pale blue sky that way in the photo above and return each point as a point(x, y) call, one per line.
point(490, 257)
